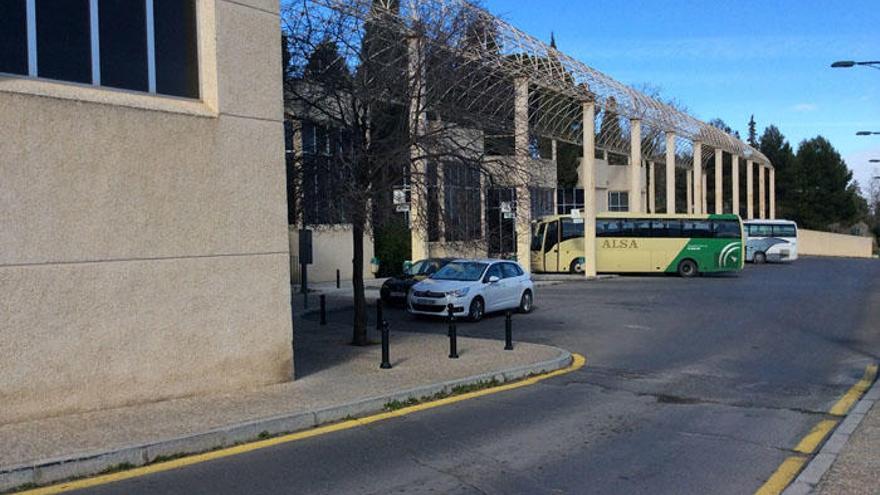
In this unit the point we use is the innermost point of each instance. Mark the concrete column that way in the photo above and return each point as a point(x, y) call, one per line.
point(635, 166)
point(734, 177)
point(750, 189)
point(704, 193)
point(588, 180)
point(762, 193)
point(719, 181)
point(418, 208)
point(772, 193)
point(521, 153)
point(698, 177)
point(690, 191)
point(670, 173)
point(652, 200)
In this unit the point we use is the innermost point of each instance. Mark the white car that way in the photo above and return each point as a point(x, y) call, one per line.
point(474, 288)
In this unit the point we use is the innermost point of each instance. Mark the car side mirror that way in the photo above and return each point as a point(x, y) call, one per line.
point(493, 279)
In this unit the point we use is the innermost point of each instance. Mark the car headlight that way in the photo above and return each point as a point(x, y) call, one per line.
point(459, 292)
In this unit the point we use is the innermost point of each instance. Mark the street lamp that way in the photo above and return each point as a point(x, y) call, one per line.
point(867, 133)
point(845, 64)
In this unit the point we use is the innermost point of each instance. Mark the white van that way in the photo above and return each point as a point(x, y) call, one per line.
point(770, 240)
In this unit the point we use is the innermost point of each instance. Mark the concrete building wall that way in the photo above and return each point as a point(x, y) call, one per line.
point(812, 242)
point(145, 253)
point(332, 250)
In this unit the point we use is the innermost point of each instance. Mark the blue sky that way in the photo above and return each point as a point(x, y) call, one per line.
point(734, 58)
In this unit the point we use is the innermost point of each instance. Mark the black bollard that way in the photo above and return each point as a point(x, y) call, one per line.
point(337, 279)
point(306, 300)
point(386, 360)
point(508, 331)
point(379, 318)
point(323, 309)
point(453, 334)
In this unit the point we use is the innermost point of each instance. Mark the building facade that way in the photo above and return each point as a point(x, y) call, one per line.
point(145, 249)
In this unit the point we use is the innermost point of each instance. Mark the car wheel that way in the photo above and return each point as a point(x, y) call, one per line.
point(760, 258)
point(525, 302)
point(476, 310)
point(687, 269)
point(576, 267)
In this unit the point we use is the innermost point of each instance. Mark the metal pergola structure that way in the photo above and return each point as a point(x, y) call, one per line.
point(497, 53)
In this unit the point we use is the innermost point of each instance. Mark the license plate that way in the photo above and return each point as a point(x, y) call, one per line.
point(398, 294)
point(424, 301)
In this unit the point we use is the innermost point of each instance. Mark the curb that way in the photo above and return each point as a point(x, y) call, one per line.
point(48, 471)
point(813, 472)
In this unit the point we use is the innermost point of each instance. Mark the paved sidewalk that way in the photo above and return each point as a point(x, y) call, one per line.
point(334, 380)
point(857, 468)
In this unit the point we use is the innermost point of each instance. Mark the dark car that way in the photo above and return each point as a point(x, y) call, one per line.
point(395, 289)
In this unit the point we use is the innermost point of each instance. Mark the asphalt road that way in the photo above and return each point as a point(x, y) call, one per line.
point(691, 386)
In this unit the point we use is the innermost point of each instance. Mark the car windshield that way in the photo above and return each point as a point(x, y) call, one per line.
point(466, 271)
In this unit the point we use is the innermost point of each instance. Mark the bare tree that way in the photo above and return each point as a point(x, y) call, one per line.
point(385, 105)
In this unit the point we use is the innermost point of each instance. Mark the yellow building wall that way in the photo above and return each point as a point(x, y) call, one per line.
point(812, 242)
point(144, 240)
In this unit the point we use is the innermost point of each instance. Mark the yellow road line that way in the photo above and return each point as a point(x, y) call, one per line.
point(855, 392)
point(783, 476)
point(786, 472)
point(578, 362)
point(810, 442)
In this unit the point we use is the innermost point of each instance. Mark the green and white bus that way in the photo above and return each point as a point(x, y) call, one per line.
point(641, 243)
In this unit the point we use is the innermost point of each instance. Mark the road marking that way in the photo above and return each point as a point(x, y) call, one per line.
point(855, 392)
point(578, 362)
point(814, 438)
point(790, 468)
point(783, 476)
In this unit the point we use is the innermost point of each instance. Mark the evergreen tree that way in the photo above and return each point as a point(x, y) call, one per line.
point(824, 194)
point(775, 147)
point(753, 136)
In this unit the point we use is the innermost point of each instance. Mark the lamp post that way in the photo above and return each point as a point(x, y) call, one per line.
point(846, 64)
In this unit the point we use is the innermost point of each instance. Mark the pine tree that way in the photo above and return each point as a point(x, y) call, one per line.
point(753, 136)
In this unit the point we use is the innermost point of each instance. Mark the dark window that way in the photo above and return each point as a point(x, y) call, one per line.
point(461, 198)
point(538, 238)
point(569, 199)
point(64, 47)
point(698, 229)
point(552, 236)
point(123, 34)
point(666, 228)
point(572, 228)
point(609, 228)
point(493, 271)
point(784, 231)
point(628, 228)
point(510, 270)
point(13, 37)
point(642, 228)
point(618, 201)
point(177, 70)
point(541, 201)
point(760, 230)
point(727, 229)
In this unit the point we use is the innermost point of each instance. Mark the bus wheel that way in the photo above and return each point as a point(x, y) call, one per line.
point(760, 258)
point(576, 267)
point(687, 268)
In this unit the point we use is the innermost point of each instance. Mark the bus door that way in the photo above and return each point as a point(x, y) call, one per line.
point(551, 247)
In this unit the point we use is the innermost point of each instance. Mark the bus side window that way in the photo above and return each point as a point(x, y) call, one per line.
point(628, 228)
point(611, 228)
point(697, 229)
point(643, 228)
point(572, 230)
point(726, 229)
point(784, 231)
point(538, 238)
point(666, 228)
point(552, 236)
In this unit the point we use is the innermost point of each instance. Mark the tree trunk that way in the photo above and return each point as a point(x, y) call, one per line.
point(359, 336)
